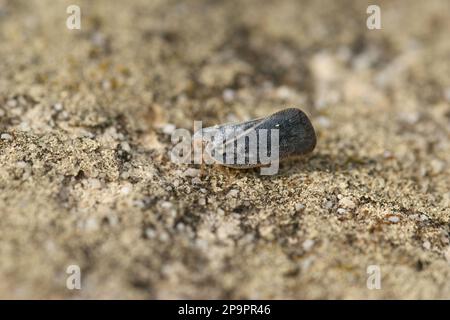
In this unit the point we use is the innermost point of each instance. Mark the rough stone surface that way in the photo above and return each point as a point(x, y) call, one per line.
point(85, 170)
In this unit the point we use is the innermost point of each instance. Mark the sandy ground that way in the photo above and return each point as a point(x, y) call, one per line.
point(86, 178)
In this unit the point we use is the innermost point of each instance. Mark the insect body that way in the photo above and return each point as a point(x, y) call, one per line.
point(262, 142)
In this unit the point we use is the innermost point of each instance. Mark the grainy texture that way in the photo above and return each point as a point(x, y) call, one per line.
point(86, 178)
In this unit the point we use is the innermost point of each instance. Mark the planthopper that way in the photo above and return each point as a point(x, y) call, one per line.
point(262, 142)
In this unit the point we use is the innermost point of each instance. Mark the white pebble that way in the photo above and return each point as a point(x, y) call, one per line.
point(164, 237)
point(284, 92)
point(126, 189)
point(166, 205)
point(323, 122)
point(394, 219)
point(12, 103)
point(168, 128)
point(328, 205)
point(125, 146)
point(191, 172)
point(308, 244)
point(21, 164)
point(150, 233)
point(426, 245)
point(228, 95)
point(58, 106)
point(5, 136)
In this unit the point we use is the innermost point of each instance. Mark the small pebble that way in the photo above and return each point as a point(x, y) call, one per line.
point(232, 193)
point(346, 202)
point(328, 205)
point(58, 106)
point(168, 128)
point(323, 122)
point(284, 92)
point(125, 146)
point(21, 164)
point(426, 245)
point(341, 211)
point(308, 244)
point(126, 189)
point(150, 233)
point(191, 172)
point(12, 103)
point(166, 205)
point(299, 206)
point(5, 136)
point(164, 237)
point(228, 95)
point(394, 219)
point(437, 166)
point(388, 154)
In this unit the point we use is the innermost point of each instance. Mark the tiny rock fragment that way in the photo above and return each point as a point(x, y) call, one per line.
point(150, 233)
point(126, 189)
point(21, 164)
point(308, 244)
point(232, 193)
point(12, 103)
point(191, 172)
point(228, 95)
point(347, 202)
point(5, 136)
point(328, 205)
point(125, 146)
point(168, 128)
point(393, 219)
point(166, 205)
point(58, 106)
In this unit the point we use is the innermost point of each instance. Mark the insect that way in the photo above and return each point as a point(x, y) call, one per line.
point(262, 142)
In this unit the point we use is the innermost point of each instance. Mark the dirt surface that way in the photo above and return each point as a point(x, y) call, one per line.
point(86, 178)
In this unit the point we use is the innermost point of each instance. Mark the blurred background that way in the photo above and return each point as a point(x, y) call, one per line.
point(86, 178)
